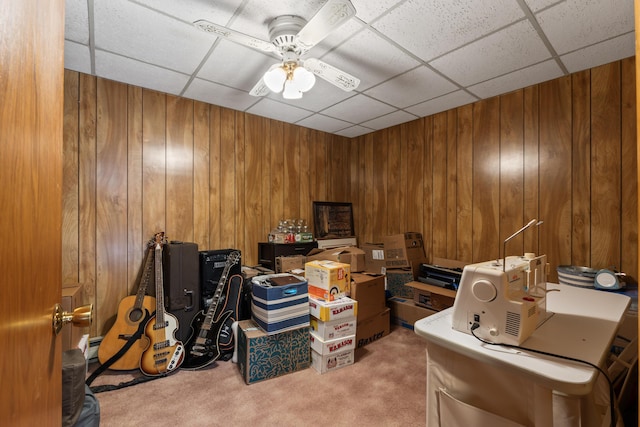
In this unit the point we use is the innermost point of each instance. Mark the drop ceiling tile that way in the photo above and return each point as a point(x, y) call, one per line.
point(76, 21)
point(601, 53)
point(77, 57)
point(266, 107)
point(234, 65)
point(412, 87)
point(321, 96)
point(254, 17)
point(153, 44)
point(537, 5)
point(574, 24)
point(189, 11)
point(260, 12)
point(358, 109)
point(134, 31)
point(443, 103)
point(370, 10)
point(534, 74)
point(138, 73)
point(217, 94)
point(354, 131)
point(389, 120)
point(323, 123)
point(334, 39)
point(512, 48)
point(431, 28)
point(370, 58)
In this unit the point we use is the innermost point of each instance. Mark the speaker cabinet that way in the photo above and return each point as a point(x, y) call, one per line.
point(212, 265)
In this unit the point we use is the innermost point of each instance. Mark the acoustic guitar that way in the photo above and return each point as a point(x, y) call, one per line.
point(203, 348)
point(164, 353)
point(131, 312)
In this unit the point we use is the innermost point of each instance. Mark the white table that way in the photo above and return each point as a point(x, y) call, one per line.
point(468, 380)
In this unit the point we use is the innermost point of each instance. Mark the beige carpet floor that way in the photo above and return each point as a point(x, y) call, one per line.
point(386, 386)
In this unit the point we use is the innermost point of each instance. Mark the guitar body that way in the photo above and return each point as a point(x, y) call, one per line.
point(230, 302)
point(202, 349)
point(164, 353)
point(127, 323)
point(203, 346)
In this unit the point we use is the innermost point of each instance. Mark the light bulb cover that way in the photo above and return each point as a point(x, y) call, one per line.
point(275, 78)
point(291, 91)
point(303, 79)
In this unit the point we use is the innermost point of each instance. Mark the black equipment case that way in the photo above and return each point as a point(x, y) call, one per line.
point(182, 291)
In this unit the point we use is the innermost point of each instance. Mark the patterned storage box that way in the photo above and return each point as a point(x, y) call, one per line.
point(262, 356)
point(396, 283)
point(280, 302)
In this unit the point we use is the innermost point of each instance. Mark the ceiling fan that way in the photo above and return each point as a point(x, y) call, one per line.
point(291, 37)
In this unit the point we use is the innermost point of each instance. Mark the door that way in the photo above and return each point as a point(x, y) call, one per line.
point(31, 103)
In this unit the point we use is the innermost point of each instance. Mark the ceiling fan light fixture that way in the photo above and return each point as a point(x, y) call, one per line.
point(275, 78)
point(303, 79)
point(291, 91)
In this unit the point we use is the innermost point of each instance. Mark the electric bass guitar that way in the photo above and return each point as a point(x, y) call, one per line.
point(164, 353)
point(203, 348)
point(131, 312)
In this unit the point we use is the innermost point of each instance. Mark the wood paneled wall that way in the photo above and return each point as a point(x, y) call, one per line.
point(139, 161)
point(563, 152)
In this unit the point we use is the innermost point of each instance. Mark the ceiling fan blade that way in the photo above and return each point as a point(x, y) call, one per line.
point(344, 81)
point(331, 15)
point(260, 89)
point(234, 36)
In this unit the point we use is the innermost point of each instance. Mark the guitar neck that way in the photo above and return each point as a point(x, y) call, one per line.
point(144, 280)
point(216, 297)
point(159, 286)
point(232, 259)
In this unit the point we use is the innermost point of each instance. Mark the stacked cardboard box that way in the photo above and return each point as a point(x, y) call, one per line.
point(415, 300)
point(280, 302)
point(328, 279)
point(373, 315)
point(405, 313)
point(333, 334)
point(430, 296)
point(397, 280)
point(405, 251)
point(262, 356)
point(290, 264)
point(374, 258)
point(351, 255)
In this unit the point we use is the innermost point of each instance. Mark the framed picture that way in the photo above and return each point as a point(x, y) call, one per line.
point(332, 220)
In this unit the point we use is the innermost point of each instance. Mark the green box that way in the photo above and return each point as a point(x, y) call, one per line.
point(262, 356)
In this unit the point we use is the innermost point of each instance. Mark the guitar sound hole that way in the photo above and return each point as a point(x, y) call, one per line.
point(135, 315)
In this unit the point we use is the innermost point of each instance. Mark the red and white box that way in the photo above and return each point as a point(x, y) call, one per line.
point(341, 308)
point(337, 345)
point(324, 363)
point(333, 329)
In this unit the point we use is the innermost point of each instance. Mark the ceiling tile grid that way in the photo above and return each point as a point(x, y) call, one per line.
point(413, 57)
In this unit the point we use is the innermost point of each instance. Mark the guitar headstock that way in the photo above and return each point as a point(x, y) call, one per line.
point(233, 258)
point(159, 239)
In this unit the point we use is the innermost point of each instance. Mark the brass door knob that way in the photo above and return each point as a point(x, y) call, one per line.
point(81, 316)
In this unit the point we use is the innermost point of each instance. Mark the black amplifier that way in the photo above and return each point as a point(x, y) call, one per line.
point(212, 263)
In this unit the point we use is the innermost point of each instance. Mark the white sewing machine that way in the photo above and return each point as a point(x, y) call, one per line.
point(502, 302)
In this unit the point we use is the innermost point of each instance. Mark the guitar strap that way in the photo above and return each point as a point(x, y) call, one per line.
point(112, 359)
